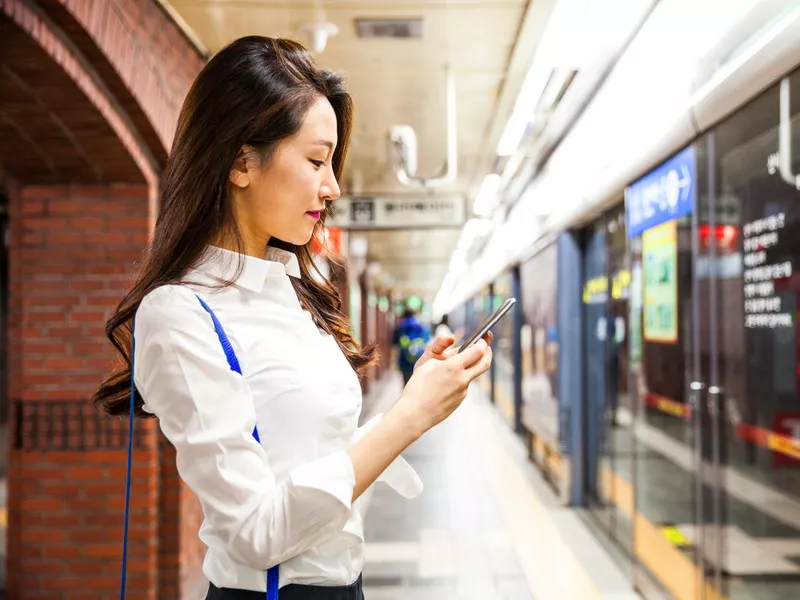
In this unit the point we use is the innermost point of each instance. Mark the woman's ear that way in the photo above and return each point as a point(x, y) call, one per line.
point(241, 170)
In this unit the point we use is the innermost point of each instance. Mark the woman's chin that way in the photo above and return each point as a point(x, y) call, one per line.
point(301, 238)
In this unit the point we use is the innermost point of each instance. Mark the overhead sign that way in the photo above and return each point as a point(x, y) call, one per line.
point(664, 194)
point(399, 212)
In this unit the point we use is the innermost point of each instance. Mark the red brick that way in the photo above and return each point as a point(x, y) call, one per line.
point(32, 239)
point(41, 286)
point(63, 206)
point(42, 504)
point(87, 223)
point(45, 536)
point(88, 285)
point(33, 207)
point(38, 192)
point(45, 223)
point(43, 347)
point(121, 191)
point(63, 362)
point(83, 192)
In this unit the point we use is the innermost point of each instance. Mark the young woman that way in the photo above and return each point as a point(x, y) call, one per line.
point(244, 356)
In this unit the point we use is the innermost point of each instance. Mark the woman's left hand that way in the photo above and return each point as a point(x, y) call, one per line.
point(442, 348)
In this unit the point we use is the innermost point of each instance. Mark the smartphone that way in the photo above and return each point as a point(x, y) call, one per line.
point(488, 324)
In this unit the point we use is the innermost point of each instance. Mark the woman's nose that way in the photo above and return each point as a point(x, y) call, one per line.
point(330, 189)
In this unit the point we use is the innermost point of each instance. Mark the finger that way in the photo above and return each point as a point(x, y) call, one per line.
point(480, 367)
point(472, 355)
point(440, 344)
point(489, 336)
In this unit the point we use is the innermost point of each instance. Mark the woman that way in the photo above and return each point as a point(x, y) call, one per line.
point(273, 454)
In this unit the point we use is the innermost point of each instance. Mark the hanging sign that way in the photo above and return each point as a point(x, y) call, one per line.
point(399, 212)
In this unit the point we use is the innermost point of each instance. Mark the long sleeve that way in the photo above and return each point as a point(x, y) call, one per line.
point(207, 412)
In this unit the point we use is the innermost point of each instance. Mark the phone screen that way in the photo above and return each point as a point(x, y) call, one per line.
point(488, 324)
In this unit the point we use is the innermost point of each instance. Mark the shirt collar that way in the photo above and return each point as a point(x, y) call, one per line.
point(222, 264)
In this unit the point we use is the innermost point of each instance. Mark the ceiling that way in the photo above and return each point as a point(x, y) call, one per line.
point(402, 81)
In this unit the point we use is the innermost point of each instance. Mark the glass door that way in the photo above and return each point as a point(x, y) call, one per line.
point(753, 373)
point(715, 366)
point(609, 411)
point(665, 336)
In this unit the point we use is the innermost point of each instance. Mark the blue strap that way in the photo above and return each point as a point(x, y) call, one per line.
point(233, 362)
point(273, 573)
point(128, 479)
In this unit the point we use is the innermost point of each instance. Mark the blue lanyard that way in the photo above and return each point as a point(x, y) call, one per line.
point(233, 362)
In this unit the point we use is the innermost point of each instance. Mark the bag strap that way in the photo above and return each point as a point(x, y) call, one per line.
point(128, 476)
point(273, 574)
point(233, 362)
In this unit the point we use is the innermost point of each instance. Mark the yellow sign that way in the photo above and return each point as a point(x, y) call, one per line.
point(595, 290)
point(674, 535)
point(660, 258)
point(620, 284)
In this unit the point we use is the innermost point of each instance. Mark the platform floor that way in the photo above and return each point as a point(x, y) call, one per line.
point(485, 527)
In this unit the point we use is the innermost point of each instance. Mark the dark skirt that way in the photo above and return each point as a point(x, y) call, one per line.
point(292, 592)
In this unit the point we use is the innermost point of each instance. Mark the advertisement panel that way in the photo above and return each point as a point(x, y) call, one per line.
point(660, 257)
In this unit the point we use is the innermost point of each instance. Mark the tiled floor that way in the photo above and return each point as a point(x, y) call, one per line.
point(451, 542)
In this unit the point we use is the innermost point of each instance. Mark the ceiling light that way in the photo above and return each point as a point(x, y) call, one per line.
point(318, 33)
point(487, 195)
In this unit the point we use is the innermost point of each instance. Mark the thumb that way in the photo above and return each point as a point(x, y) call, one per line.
point(441, 343)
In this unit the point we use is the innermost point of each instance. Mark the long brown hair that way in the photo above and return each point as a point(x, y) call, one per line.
point(256, 91)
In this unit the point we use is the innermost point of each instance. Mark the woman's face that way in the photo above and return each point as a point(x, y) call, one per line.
point(285, 196)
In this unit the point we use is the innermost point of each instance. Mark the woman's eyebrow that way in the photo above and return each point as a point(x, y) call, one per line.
point(327, 143)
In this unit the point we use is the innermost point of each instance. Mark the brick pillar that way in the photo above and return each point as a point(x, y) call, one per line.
point(181, 553)
point(72, 250)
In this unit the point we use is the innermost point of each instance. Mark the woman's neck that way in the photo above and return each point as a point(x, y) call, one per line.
point(251, 245)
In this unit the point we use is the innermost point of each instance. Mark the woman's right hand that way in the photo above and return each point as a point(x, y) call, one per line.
point(438, 387)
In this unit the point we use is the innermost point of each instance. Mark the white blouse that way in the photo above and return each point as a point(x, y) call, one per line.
point(288, 499)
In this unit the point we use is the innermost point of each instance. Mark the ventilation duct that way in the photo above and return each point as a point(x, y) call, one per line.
point(403, 147)
point(389, 28)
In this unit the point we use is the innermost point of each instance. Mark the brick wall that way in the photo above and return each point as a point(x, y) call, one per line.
point(142, 56)
point(123, 67)
point(71, 252)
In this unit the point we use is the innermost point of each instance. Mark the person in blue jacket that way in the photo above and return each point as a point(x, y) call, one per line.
point(411, 337)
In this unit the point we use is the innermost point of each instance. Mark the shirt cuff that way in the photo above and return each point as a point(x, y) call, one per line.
point(333, 474)
point(399, 475)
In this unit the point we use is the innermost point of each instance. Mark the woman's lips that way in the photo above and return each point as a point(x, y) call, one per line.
point(314, 214)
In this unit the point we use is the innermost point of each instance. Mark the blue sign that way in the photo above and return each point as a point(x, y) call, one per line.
point(665, 193)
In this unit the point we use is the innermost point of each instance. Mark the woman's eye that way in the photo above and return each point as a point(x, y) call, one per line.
point(318, 163)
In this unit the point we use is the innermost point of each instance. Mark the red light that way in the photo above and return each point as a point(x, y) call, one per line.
point(725, 236)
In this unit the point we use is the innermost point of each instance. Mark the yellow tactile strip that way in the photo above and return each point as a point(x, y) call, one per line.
point(551, 568)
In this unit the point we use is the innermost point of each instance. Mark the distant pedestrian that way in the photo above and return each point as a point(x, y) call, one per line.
point(411, 337)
